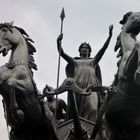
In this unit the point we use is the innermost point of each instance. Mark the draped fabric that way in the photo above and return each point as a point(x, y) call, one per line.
point(86, 73)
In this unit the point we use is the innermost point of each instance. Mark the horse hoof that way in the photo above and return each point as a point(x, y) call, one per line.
point(137, 77)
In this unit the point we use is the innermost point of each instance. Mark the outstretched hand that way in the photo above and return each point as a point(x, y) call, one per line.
point(110, 29)
point(60, 37)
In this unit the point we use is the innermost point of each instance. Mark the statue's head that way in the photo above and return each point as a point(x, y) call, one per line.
point(45, 92)
point(50, 97)
point(84, 49)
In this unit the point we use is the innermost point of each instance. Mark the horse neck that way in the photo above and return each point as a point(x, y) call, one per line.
point(127, 40)
point(20, 53)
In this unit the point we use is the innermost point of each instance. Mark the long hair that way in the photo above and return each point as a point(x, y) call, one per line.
point(88, 46)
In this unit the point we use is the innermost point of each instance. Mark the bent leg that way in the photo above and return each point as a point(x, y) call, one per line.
point(91, 107)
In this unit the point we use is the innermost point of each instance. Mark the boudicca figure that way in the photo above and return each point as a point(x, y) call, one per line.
point(85, 71)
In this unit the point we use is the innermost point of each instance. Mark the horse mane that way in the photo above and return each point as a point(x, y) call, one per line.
point(118, 47)
point(31, 48)
point(31, 51)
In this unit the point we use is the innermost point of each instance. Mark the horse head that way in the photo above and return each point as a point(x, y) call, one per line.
point(13, 37)
point(6, 38)
point(131, 22)
point(9, 37)
point(126, 41)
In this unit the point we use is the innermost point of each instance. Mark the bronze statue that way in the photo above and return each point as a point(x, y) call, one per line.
point(85, 71)
point(31, 119)
point(59, 110)
point(123, 114)
point(25, 114)
point(76, 128)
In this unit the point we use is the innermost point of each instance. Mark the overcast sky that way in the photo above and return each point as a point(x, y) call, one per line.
point(86, 20)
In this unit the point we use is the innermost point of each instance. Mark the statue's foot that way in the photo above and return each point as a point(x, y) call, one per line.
point(137, 76)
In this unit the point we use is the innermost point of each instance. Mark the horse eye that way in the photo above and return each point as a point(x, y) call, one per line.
point(134, 18)
point(6, 39)
point(4, 29)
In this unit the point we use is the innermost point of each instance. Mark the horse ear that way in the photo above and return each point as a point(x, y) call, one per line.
point(125, 17)
point(11, 23)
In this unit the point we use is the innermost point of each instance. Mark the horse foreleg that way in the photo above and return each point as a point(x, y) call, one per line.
point(16, 113)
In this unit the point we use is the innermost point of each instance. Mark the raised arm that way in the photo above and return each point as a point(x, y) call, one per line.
point(103, 49)
point(61, 51)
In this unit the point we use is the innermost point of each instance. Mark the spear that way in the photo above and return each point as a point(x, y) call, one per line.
point(62, 16)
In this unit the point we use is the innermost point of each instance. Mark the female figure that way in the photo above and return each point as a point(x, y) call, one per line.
point(85, 71)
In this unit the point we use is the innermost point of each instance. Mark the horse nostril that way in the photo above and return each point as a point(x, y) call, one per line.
point(135, 20)
point(4, 50)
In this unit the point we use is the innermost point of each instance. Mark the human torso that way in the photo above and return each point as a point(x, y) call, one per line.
point(84, 72)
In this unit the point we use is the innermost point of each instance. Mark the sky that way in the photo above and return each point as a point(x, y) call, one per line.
point(85, 20)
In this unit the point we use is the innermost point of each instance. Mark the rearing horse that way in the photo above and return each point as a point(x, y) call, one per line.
point(25, 114)
point(123, 113)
